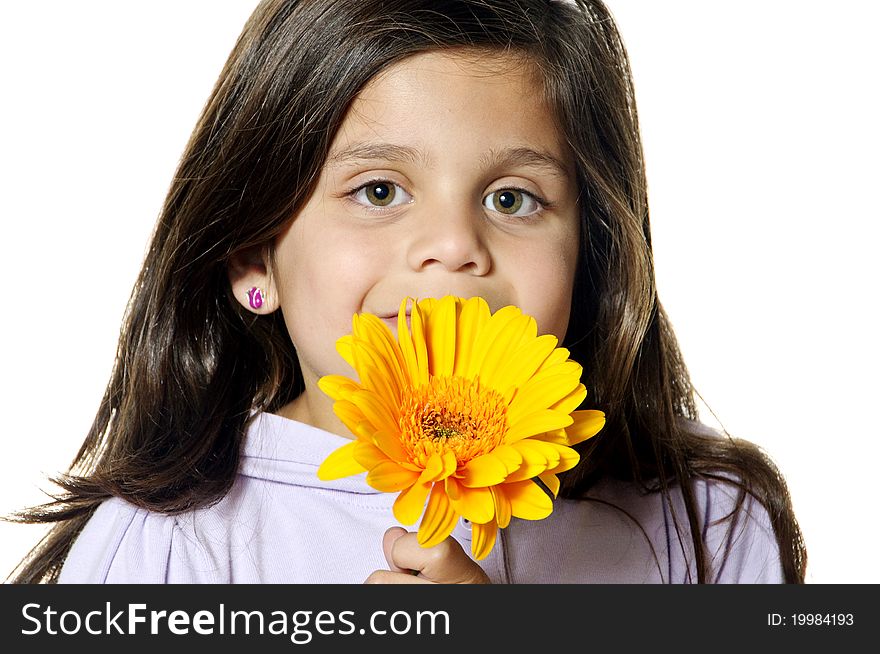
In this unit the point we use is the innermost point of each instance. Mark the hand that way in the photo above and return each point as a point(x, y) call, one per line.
point(410, 563)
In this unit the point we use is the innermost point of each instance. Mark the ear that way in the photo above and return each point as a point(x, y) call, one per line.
point(253, 284)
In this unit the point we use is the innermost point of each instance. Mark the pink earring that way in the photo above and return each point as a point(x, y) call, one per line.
point(256, 297)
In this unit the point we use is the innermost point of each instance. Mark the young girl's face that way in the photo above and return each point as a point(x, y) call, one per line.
point(448, 176)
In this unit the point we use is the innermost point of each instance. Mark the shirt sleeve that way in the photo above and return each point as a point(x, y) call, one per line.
point(125, 544)
point(743, 546)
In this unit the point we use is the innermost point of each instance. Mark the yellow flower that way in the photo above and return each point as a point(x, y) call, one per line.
point(463, 411)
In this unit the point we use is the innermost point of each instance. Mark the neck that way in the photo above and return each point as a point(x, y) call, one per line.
point(315, 409)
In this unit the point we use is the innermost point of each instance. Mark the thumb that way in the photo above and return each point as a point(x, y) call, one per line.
point(391, 535)
point(445, 562)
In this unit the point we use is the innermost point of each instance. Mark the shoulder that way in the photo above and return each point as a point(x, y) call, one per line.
point(737, 532)
point(733, 527)
point(123, 543)
point(736, 527)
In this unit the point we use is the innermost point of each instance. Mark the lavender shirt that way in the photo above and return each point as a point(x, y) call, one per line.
point(280, 524)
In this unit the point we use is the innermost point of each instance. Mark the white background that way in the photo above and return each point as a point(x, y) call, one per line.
point(759, 121)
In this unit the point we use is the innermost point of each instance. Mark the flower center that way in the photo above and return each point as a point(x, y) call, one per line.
point(452, 414)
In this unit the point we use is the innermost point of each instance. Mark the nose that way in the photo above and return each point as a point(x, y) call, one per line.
point(453, 240)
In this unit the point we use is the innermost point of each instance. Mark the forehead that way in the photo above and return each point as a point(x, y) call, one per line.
point(472, 99)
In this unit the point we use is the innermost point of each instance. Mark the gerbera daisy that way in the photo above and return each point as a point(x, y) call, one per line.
point(463, 412)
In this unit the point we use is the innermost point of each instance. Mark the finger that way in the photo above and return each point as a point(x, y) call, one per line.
point(388, 577)
point(388, 539)
point(445, 562)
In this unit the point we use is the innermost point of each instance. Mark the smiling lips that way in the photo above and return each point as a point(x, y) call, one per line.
point(391, 321)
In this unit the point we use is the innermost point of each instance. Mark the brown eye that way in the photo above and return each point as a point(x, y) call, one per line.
point(381, 194)
point(512, 202)
point(507, 201)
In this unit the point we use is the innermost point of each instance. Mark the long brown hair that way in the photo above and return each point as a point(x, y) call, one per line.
point(192, 365)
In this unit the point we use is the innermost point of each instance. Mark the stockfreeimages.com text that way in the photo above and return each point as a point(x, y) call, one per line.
point(300, 626)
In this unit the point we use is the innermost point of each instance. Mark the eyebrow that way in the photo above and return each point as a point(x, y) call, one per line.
point(379, 151)
point(513, 156)
point(525, 157)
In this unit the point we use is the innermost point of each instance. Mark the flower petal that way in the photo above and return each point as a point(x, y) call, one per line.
point(491, 332)
point(439, 467)
point(475, 504)
point(337, 387)
point(385, 346)
point(571, 401)
point(368, 455)
point(410, 503)
point(552, 453)
point(380, 384)
point(542, 456)
point(453, 489)
point(502, 348)
point(427, 306)
point(343, 347)
point(556, 357)
point(340, 463)
point(526, 361)
point(557, 436)
point(420, 345)
point(375, 411)
point(483, 536)
point(450, 463)
point(538, 457)
point(551, 481)
point(527, 471)
point(474, 314)
point(484, 470)
point(433, 469)
point(404, 338)
point(389, 477)
point(441, 338)
point(509, 455)
point(568, 459)
point(542, 392)
point(502, 507)
point(513, 462)
point(528, 500)
point(439, 519)
point(537, 423)
point(390, 444)
point(587, 423)
point(349, 414)
point(365, 430)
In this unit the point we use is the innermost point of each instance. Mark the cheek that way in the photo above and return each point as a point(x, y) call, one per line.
point(327, 276)
point(544, 284)
point(554, 298)
point(332, 275)
point(348, 267)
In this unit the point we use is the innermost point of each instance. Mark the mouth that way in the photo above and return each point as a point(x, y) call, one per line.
point(391, 321)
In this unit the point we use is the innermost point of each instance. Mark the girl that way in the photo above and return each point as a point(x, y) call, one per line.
point(353, 154)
